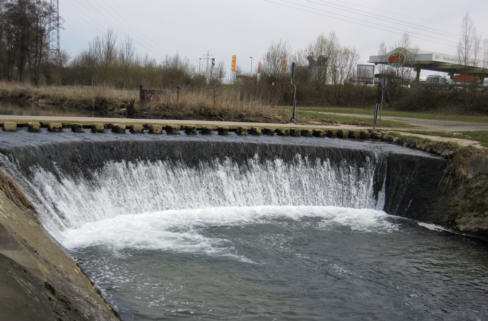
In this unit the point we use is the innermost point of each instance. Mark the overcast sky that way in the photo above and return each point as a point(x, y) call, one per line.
point(246, 28)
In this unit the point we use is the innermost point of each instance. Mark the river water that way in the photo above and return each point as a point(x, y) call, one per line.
point(256, 240)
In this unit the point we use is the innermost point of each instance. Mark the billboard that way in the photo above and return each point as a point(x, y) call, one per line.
point(365, 73)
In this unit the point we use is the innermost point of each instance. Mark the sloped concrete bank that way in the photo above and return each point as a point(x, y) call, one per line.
point(39, 279)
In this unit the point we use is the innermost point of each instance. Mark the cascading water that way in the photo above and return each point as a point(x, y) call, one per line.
point(219, 192)
point(129, 188)
point(247, 232)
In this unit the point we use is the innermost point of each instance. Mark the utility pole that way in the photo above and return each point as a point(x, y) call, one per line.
point(54, 33)
point(207, 57)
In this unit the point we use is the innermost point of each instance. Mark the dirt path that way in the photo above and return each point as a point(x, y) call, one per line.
point(427, 124)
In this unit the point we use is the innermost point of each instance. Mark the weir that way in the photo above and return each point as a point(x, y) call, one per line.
point(212, 170)
point(157, 192)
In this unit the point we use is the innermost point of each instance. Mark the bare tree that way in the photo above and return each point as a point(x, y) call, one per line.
point(485, 53)
point(329, 61)
point(274, 57)
point(469, 43)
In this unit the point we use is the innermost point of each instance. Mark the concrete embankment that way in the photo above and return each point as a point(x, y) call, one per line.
point(39, 281)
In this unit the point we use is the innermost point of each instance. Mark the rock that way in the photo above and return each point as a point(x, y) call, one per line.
point(190, 130)
point(295, 132)
point(77, 128)
point(118, 128)
point(55, 127)
point(98, 128)
point(319, 133)
point(137, 129)
point(223, 131)
point(205, 131)
point(255, 131)
point(34, 127)
point(331, 133)
point(241, 131)
point(171, 130)
point(155, 129)
point(283, 132)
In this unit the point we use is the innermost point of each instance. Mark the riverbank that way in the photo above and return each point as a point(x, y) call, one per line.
point(200, 104)
point(40, 281)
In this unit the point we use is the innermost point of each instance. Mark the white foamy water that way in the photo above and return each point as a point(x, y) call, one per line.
point(166, 205)
point(183, 230)
point(121, 188)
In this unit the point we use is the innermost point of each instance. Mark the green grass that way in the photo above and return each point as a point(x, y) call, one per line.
point(480, 136)
point(349, 120)
point(407, 114)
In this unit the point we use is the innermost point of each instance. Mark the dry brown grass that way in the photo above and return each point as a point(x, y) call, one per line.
point(73, 92)
point(226, 104)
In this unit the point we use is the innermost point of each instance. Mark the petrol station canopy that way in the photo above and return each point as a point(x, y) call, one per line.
point(428, 60)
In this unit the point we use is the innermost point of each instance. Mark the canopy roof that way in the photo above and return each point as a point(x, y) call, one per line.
point(429, 60)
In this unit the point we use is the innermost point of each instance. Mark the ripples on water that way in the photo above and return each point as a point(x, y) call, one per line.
point(282, 263)
point(219, 242)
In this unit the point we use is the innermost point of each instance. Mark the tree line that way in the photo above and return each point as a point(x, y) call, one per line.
point(324, 73)
point(25, 26)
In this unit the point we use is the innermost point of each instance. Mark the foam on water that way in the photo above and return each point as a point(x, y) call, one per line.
point(183, 230)
point(166, 205)
point(121, 188)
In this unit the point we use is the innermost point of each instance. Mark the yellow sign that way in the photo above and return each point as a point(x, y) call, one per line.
point(284, 66)
point(260, 66)
point(234, 63)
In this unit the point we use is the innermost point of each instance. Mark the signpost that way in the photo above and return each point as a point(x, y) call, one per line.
point(294, 112)
point(384, 83)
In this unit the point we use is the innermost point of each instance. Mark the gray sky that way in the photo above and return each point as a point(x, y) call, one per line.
point(247, 27)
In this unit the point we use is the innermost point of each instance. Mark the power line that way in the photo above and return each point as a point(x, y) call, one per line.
point(342, 17)
point(122, 21)
point(377, 25)
point(90, 20)
point(378, 16)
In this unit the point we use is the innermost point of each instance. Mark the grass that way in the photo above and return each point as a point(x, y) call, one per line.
point(73, 92)
point(349, 120)
point(202, 104)
point(406, 114)
point(480, 136)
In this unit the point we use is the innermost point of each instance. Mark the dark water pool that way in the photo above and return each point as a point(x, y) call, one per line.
point(283, 264)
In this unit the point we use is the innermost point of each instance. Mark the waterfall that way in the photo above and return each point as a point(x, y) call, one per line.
point(130, 188)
